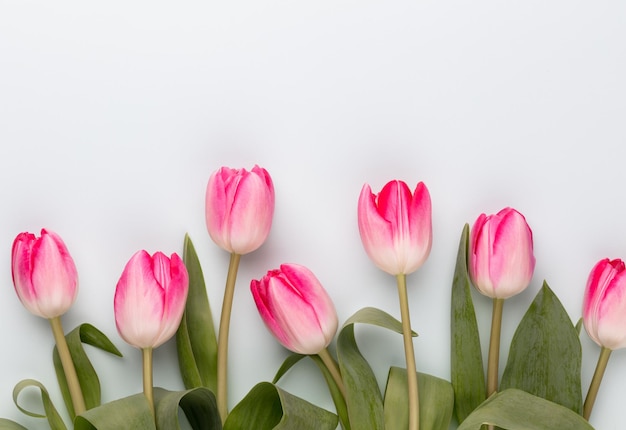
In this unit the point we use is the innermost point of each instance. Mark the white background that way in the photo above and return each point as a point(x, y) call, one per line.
point(114, 114)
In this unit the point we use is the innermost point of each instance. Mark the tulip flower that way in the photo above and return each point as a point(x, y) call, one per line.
point(501, 264)
point(396, 226)
point(604, 317)
point(239, 211)
point(239, 208)
point(46, 282)
point(44, 274)
point(396, 231)
point(149, 302)
point(150, 299)
point(501, 260)
point(296, 308)
point(299, 313)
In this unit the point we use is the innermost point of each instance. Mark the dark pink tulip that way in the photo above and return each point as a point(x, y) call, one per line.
point(396, 226)
point(296, 308)
point(501, 260)
point(44, 274)
point(239, 208)
point(150, 299)
point(604, 304)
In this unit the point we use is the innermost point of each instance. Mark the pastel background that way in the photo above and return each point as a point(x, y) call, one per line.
point(113, 115)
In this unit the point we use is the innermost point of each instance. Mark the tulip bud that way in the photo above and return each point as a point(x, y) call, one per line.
point(239, 208)
point(396, 226)
point(44, 274)
point(150, 299)
point(296, 308)
point(501, 261)
point(604, 304)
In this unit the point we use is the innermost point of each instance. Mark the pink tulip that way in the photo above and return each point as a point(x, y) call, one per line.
point(296, 308)
point(396, 226)
point(501, 261)
point(604, 304)
point(44, 274)
point(150, 299)
point(239, 208)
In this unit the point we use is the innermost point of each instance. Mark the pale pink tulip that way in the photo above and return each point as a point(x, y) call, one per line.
point(239, 208)
point(501, 260)
point(604, 304)
point(150, 299)
point(396, 226)
point(296, 308)
point(44, 274)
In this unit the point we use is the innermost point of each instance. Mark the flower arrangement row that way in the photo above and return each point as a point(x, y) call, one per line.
point(159, 297)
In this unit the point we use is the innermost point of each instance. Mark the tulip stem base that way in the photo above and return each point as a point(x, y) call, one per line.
point(76, 393)
point(411, 371)
point(222, 338)
point(146, 355)
point(605, 353)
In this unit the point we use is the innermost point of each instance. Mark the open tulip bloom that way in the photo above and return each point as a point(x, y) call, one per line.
point(159, 296)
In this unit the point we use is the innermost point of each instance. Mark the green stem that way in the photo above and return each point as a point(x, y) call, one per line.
point(494, 347)
point(222, 339)
point(78, 401)
point(146, 354)
point(411, 372)
point(605, 353)
point(333, 369)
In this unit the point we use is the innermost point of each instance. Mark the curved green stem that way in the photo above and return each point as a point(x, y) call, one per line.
point(146, 355)
point(222, 339)
point(333, 369)
point(411, 372)
point(78, 401)
point(605, 353)
point(494, 347)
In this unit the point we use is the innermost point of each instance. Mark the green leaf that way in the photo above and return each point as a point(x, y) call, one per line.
point(128, 413)
point(436, 398)
point(195, 339)
point(87, 376)
point(289, 362)
point(198, 404)
point(10, 425)
point(268, 407)
point(467, 372)
point(514, 409)
point(545, 355)
point(50, 412)
point(363, 397)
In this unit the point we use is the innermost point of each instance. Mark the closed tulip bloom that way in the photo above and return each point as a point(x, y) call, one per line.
point(396, 226)
point(44, 274)
point(239, 208)
point(501, 260)
point(604, 304)
point(296, 308)
point(150, 299)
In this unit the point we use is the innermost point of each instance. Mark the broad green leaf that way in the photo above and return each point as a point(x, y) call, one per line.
point(50, 412)
point(289, 362)
point(87, 376)
point(436, 398)
point(268, 407)
point(467, 372)
point(198, 404)
point(195, 339)
point(363, 397)
point(128, 413)
point(514, 409)
point(10, 425)
point(545, 355)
